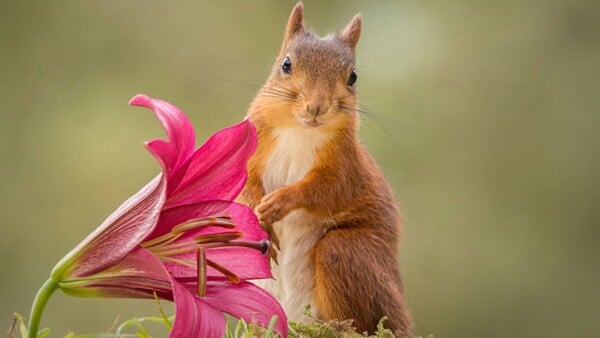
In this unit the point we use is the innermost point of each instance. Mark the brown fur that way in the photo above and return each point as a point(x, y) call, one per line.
point(356, 269)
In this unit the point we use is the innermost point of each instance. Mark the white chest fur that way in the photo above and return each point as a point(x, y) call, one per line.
point(292, 158)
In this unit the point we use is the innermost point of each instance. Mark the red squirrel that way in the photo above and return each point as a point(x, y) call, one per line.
point(318, 192)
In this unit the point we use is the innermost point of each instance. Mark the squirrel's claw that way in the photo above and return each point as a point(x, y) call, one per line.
point(272, 237)
point(272, 208)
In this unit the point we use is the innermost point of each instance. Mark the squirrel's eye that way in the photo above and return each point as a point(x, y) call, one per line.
point(352, 78)
point(286, 66)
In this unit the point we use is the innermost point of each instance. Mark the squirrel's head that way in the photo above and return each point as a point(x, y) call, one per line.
point(314, 77)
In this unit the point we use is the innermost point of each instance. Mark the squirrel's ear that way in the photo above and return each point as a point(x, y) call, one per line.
point(351, 33)
point(295, 23)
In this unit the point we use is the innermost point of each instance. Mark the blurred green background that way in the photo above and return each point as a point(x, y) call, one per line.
point(484, 118)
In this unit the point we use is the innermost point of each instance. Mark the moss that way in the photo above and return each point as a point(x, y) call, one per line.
point(314, 327)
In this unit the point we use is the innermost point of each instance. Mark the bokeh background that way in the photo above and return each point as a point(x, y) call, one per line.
point(484, 115)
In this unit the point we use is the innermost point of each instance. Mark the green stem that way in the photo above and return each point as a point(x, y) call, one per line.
point(39, 303)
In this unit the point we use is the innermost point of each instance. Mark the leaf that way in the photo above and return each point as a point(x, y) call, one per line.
point(272, 323)
point(238, 328)
point(43, 333)
point(21, 322)
point(166, 319)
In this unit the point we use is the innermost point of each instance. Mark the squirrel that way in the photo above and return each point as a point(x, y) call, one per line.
point(318, 192)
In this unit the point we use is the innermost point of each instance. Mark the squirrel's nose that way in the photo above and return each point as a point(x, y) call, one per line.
point(314, 109)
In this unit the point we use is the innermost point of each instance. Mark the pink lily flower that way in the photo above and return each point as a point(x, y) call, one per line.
point(181, 237)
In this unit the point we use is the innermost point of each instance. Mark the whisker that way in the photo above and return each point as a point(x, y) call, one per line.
point(278, 95)
point(362, 111)
point(341, 98)
point(365, 115)
point(241, 83)
point(280, 91)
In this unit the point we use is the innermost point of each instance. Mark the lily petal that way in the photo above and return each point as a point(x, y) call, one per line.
point(135, 276)
point(193, 317)
point(120, 233)
point(217, 170)
point(174, 152)
point(247, 301)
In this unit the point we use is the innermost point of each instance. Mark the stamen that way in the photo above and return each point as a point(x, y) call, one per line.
point(224, 216)
point(187, 262)
point(263, 246)
point(177, 249)
point(161, 240)
point(224, 222)
point(201, 271)
point(219, 237)
point(230, 275)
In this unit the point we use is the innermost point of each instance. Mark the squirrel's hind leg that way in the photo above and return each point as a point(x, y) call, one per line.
point(355, 279)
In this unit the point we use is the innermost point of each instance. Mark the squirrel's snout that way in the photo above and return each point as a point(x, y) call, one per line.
point(310, 115)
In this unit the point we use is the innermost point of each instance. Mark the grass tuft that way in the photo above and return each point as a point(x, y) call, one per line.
point(311, 327)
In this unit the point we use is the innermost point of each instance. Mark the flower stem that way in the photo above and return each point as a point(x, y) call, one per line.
point(39, 303)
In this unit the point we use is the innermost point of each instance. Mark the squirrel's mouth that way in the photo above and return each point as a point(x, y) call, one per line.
point(312, 123)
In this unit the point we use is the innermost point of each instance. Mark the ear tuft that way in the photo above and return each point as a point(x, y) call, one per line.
point(295, 22)
point(351, 33)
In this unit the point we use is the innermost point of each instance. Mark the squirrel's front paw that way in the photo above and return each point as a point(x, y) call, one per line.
point(274, 206)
